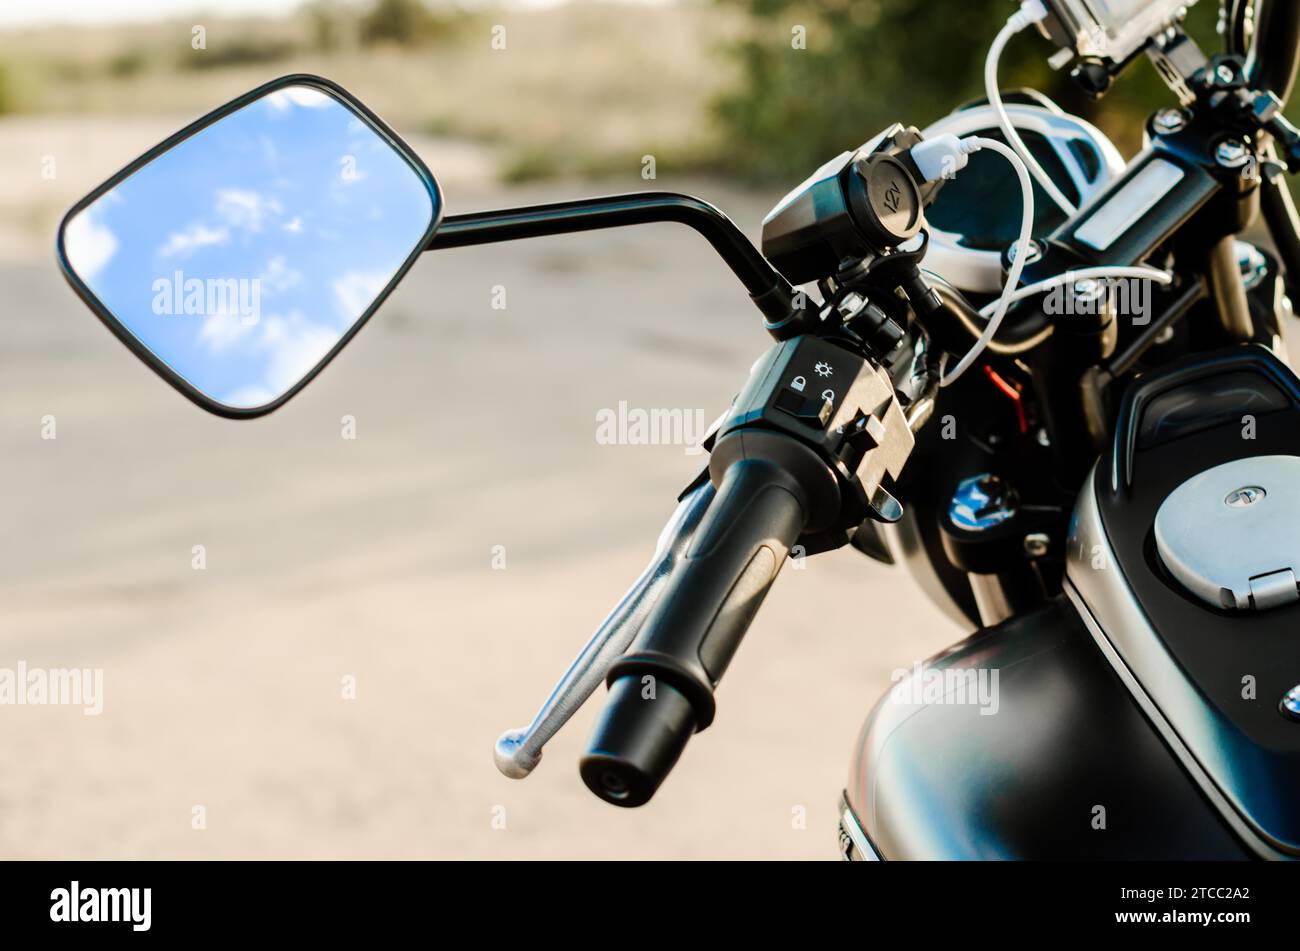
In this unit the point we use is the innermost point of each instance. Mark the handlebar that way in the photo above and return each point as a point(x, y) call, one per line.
point(800, 455)
point(788, 465)
point(770, 292)
point(662, 691)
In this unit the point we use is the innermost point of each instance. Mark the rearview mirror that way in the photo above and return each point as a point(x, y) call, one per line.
point(240, 255)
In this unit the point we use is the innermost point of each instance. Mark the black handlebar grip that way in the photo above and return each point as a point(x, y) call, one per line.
point(662, 691)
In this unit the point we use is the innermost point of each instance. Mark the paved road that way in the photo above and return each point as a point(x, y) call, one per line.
point(373, 559)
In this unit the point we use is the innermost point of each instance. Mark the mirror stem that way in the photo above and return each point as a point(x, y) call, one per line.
point(771, 293)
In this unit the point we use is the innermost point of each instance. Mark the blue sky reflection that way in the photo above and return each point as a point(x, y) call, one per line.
point(242, 255)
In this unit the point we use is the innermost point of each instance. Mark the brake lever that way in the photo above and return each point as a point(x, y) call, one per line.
point(517, 752)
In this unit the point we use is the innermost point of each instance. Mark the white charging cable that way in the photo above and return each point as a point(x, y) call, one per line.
point(1030, 12)
point(1104, 272)
point(942, 157)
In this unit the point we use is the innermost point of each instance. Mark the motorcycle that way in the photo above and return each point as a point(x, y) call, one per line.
point(1074, 427)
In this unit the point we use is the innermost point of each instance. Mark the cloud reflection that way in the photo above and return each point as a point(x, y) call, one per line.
point(255, 213)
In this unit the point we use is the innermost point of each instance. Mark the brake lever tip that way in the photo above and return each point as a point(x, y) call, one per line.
point(511, 757)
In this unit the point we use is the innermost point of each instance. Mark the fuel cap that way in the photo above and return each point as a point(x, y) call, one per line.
point(1231, 535)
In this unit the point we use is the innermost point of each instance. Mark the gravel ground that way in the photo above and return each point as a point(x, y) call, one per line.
point(372, 559)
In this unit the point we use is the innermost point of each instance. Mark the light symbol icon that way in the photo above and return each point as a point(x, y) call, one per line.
point(823, 369)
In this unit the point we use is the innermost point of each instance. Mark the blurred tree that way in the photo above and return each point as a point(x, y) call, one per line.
point(867, 63)
point(245, 50)
point(398, 21)
point(127, 63)
point(326, 24)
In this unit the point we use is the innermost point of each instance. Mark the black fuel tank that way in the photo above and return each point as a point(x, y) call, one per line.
point(1064, 765)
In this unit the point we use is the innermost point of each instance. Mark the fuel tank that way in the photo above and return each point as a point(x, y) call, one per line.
point(1059, 761)
point(1151, 710)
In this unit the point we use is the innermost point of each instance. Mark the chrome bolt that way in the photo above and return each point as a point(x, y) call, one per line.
point(1169, 121)
point(1033, 252)
point(1089, 290)
point(1225, 73)
point(1231, 154)
point(1037, 544)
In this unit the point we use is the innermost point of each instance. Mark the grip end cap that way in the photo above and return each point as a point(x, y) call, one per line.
point(637, 741)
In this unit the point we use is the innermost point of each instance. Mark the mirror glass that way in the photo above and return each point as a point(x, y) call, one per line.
point(241, 257)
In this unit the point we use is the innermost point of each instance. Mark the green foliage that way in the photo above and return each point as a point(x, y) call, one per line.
point(326, 22)
point(246, 50)
point(127, 63)
point(869, 63)
point(528, 165)
point(408, 22)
